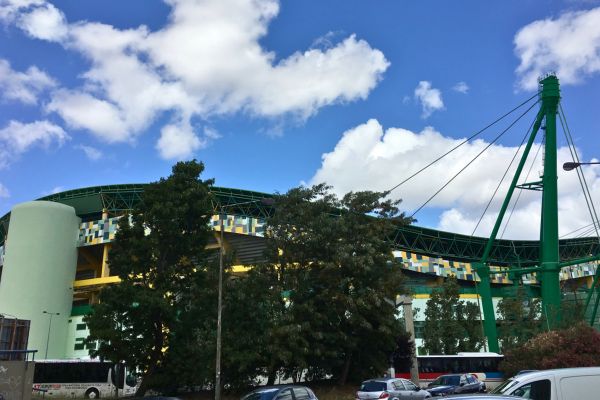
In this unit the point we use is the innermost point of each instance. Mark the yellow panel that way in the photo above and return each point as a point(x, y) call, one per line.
point(96, 281)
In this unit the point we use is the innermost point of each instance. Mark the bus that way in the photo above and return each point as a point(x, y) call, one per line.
point(82, 379)
point(483, 365)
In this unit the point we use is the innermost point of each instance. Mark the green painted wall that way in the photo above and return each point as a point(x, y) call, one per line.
point(39, 268)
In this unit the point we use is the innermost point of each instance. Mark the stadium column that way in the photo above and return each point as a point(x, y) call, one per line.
point(549, 255)
point(489, 318)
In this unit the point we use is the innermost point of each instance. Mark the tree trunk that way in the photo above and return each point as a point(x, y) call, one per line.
point(271, 377)
point(344, 376)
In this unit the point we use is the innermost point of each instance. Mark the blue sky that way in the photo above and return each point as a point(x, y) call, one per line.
point(272, 94)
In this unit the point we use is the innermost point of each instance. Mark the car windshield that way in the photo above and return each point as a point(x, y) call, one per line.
point(373, 386)
point(450, 380)
point(504, 387)
point(261, 395)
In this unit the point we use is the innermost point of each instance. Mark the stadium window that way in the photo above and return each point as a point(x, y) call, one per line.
point(78, 346)
point(81, 327)
point(91, 346)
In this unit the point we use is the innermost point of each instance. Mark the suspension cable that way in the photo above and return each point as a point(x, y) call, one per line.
point(580, 174)
point(577, 230)
point(462, 143)
point(503, 176)
point(512, 210)
point(475, 158)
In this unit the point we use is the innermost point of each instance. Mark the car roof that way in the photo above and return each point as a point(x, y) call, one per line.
point(557, 373)
point(482, 397)
point(381, 380)
point(276, 387)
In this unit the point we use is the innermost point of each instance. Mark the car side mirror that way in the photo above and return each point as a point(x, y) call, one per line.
point(462, 384)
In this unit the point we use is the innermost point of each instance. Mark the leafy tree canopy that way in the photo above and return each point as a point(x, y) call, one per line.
point(451, 325)
point(156, 253)
point(332, 258)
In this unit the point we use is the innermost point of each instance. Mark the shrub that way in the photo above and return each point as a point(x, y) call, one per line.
point(578, 346)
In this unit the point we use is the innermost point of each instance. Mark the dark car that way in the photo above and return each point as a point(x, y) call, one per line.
point(286, 392)
point(454, 383)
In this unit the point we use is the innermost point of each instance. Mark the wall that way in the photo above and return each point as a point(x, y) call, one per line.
point(39, 269)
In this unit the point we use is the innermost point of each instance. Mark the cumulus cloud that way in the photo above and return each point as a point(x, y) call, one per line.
point(461, 87)
point(369, 157)
point(206, 60)
point(23, 86)
point(568, 45)
point(178, 141)
point(90, 152)
point(45, 22)
point(430, 98)
point(17, 137)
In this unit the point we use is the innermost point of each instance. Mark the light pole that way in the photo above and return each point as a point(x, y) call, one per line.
point(219, 312)
point(51, 314)
point(569, 166)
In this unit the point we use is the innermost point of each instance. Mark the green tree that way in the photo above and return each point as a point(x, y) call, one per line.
point(520, 319)
point(156, 254)
point(451, 325)
point(334, 258)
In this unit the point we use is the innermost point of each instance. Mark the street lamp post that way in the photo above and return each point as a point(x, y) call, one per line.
point(569, 166)
point(219, 312)
point(51, 314)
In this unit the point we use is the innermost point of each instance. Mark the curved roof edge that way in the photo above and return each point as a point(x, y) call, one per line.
point(119, 198)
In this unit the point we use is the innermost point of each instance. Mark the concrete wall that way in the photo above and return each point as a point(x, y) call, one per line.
point(39, 269)
point(16, 380)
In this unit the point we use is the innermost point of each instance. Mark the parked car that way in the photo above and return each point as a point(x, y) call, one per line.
point(455, 383)
point(554, 384)
point(526, 371)
point(391, 389)
point(283, 392)
point(482, 397)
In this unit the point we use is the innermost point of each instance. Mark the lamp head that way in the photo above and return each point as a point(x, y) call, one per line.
point(569, 166)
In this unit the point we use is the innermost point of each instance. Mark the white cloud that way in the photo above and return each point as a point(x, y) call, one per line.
point(82, 110)
point(368, 157)
point(16, 138)
point(45, 22)
point(206, 60)
point(90, 152)
point(430, 99)
point(568, 45)
point(4, 193)
point(461, 87)
point(178, 141)
point(23, 86)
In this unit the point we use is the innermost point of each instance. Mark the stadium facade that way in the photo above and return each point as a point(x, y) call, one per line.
point(54, 252)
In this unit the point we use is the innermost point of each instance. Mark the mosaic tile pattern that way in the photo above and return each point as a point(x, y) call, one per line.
point(241, 225)
point(103, 231)
point(461, 270)
point(98, 232)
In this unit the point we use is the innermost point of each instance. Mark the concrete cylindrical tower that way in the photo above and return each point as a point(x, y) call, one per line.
point(39, 269)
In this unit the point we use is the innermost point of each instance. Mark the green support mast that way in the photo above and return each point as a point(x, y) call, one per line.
point(549, 257)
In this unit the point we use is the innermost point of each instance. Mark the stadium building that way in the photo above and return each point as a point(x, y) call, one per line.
point(54, 252)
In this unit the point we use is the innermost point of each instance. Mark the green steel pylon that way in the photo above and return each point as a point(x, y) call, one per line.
point(549, 257)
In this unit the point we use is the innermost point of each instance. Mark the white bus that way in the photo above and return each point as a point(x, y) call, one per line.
point(82, 379)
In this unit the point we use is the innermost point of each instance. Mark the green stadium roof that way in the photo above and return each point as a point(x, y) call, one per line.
point(119, 198)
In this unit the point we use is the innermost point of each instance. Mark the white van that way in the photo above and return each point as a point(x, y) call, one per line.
point(555, 384)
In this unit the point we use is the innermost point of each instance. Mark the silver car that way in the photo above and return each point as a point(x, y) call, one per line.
point(390, 389)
